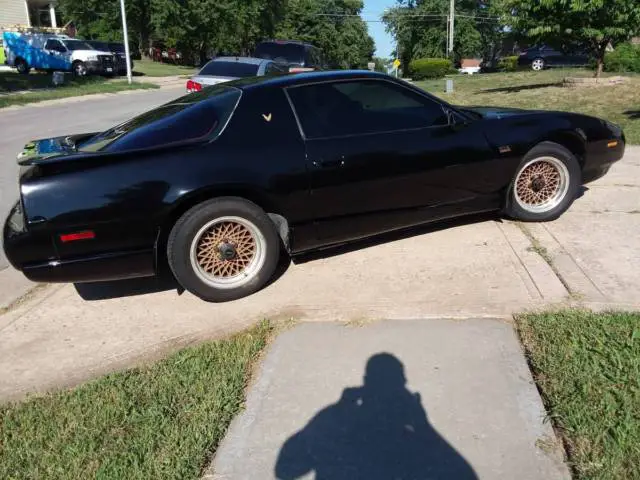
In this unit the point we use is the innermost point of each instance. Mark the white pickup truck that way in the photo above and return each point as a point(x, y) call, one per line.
point(49, 52)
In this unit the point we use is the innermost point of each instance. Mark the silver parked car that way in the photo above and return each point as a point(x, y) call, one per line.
point(225, 69)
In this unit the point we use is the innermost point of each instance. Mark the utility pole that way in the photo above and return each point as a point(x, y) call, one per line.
point(452, 7)
point(446, 48)
point(126, 40)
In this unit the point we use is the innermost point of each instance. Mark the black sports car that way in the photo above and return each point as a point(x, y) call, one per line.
point(220, 183)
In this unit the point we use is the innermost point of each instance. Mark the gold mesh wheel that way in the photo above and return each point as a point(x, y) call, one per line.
point(541, 184)
point(228, 252)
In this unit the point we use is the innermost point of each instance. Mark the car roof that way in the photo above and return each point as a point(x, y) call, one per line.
point(250, 60)
point(306, 77)
point(291, 42)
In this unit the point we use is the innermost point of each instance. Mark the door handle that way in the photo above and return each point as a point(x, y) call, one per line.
point(335, 163)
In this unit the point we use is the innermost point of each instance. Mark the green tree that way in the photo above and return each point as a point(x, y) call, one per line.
point(101, 19)
point(593, 23)
point(420, 28)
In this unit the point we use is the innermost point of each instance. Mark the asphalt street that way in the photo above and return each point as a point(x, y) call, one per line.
point(76, 115)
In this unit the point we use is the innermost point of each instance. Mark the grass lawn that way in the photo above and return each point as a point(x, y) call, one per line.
point(587, 366)
point(11, 82)
point(158, 69)
point(542, 90)
point(164, 420)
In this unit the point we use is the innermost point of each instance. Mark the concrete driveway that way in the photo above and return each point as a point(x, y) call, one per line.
point(482, 268)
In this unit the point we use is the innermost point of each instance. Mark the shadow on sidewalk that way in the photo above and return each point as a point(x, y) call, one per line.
point(378, 431)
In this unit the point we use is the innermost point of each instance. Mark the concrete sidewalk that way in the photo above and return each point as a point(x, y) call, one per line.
point(437, 399)
point(484, 269)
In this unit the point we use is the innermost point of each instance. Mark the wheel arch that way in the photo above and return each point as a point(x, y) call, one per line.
point(186, 202)
point(570, 140)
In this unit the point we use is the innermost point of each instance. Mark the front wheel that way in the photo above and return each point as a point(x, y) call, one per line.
point(79, 69)
point(545, 184)
point(537, 65)
point(223, 249)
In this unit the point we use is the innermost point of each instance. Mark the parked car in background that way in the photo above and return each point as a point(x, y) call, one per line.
point(225, 69)
point(118, 52)
point(540, 57)
point(50, 52)
point(298, 56)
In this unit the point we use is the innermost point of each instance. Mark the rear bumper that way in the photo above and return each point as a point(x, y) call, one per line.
point(33, 252)
point(112, 266)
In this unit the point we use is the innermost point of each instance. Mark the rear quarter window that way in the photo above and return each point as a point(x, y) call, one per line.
point(192, 117)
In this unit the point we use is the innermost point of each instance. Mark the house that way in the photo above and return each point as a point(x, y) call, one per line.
point(28, 13)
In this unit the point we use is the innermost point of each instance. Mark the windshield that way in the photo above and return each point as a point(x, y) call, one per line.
point(117, 47)
point(289, 53)
point(77, 45)
point(191, 117)
point(99, 46)
point(230, 69)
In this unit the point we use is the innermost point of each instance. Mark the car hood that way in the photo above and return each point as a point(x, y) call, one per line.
point(39, 151)
point(499, 112)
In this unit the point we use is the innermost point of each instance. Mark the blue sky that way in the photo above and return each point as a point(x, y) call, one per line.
point(372, 11)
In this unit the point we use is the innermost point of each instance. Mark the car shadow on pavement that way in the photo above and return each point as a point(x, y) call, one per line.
point(393, 236)
point(127, 288)
point(518, 88)
point(376, 431)
point(146, 285)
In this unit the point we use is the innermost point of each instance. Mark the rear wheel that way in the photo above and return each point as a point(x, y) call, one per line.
point(223, 249)
point(22, 66)
point(545, 185)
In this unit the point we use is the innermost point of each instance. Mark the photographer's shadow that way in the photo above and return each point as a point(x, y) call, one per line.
point(378, 431)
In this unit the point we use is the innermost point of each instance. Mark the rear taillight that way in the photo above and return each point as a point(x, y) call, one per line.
point(193, 86)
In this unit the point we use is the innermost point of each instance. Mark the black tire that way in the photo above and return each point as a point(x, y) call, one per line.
point(79, 69)
point(22, 66)
point(517, 208)
point(186, 230)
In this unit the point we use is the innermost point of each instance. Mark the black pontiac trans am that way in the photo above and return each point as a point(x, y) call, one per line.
point(218, 184)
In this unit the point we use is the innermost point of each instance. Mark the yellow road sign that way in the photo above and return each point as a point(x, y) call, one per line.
point(396, 63)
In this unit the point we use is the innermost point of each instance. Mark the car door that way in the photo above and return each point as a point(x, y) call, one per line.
point(55, 55)
point(552, 57)
point(383, 156)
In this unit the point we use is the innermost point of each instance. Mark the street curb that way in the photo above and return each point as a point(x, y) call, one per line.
point(82, 98)
point(15, 286)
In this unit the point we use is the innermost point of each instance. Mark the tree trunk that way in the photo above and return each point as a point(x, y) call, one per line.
point(601, 52)
point(600, 65)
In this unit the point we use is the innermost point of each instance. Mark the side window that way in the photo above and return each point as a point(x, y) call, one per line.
point(274, 69)
point(362, 107)
point(54, 45)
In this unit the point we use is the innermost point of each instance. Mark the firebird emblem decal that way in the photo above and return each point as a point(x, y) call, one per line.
point(267, 117)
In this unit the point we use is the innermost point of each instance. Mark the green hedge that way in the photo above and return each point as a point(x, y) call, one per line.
point(625, 58)
point(422, 68)
point(508, 64)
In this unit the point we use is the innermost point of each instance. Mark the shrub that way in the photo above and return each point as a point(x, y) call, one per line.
point(422, 68)
point(508, 64)
point(625, 58)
